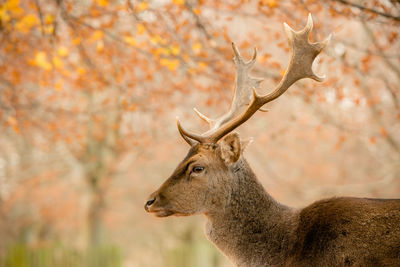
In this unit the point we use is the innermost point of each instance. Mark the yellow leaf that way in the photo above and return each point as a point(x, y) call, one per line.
point(140, 29)
point(178, 2)
point(202, 65)
point(97, 35)
point(49, 19)
point(49, 29)
point(171, 64)
point(130, 40)
point(157, 39)
point(13, 7)
point(102, 3)
point(12, 3)
point(41, 61)
point(58, 86)
point(175, 49)
point(76, 41)
point(62, 51)
point(100, 46)
point(158, 51)
point(81, 70)
point(142, 6)
point(25, 24)
point(4, 16)
point(16, 128)
point(132, 107)
point(270, 3)
point(58, 63)
point(196, 11)
point(283, 72)
point(196, 47)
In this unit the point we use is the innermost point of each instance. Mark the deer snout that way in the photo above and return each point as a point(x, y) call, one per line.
point(149, 203)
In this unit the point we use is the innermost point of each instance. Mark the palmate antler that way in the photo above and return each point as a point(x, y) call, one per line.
point(302, 57)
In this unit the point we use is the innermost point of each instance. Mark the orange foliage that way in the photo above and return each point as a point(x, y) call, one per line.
point(93, 82)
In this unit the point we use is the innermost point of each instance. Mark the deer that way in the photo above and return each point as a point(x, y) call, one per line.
point(243, 220)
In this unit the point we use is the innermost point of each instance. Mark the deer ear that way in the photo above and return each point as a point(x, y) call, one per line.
point(230, 148)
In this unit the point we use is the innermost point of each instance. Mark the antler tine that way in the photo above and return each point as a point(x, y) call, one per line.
point(242, 91)
point(204, 117)
point(187, 136)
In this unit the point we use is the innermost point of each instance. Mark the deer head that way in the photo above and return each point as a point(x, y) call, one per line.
point(200, 182)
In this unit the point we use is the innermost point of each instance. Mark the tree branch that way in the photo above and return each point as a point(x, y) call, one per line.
point(363, 8)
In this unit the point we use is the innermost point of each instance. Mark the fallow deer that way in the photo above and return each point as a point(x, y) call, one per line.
point(243, 220)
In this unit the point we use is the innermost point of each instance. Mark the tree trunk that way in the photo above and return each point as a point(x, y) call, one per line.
point(95, 220)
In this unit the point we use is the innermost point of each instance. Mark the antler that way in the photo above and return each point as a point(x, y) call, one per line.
point(303, 54)
point(242, 92)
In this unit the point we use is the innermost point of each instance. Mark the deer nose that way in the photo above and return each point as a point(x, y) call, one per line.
point(149, 203)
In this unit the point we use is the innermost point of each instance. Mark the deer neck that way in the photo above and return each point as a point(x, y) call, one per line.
point(252, 229)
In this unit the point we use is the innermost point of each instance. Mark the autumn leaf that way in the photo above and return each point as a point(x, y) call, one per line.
point(76, 41)
point(202, 65)
point(49, 29)
point(41, 61)
point(384, 132)
point(178, 2)
point(49, 19)
point(132, 108)
point(100, 46)
point(81, 70)
point(97, 35)
point(196, 11)
point(62, 51)
point(175, 49)
point(57, 62)
point(26, 23)
point(140, 29)
point(130, 40)
point(102, 3)
point(372, 140)
point(196, 47)
point(4, 16)
point(171, 64)
point(142, 6)
point(14, 7)
point(270, 3)
point(157, 39)
point(58, 86)
point(12, 121)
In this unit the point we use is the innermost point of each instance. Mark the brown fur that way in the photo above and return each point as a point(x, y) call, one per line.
point(253, 229)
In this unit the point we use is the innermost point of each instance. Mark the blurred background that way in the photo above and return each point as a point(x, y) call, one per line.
point(89, 91)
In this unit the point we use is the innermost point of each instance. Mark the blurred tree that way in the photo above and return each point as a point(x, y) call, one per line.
point(86, 83)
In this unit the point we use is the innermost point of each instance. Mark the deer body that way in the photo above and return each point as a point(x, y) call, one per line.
point(244, 221)
point(255, 230)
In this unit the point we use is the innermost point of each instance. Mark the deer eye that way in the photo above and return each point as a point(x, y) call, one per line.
point(197, 169)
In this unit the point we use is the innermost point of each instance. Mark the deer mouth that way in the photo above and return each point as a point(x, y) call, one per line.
point(166, 212)
point(162, 213)
point(159, 210)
